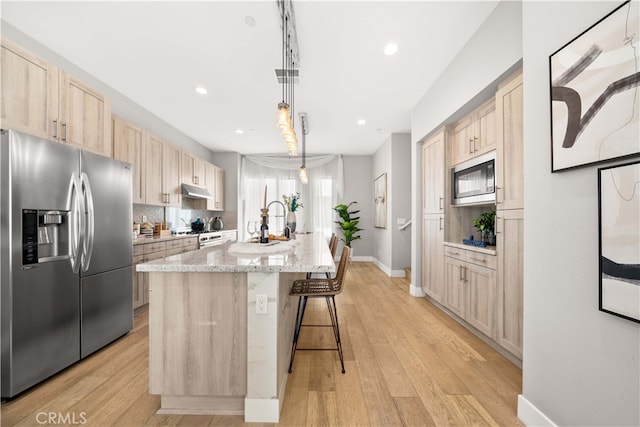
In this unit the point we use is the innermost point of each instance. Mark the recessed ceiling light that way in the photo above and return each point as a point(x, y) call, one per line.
point(362, 122)
point(250, 21)
point(390, 49)
point(239, 131)
point(201, 90)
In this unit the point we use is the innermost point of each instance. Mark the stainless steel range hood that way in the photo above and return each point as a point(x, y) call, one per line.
point(194, 192)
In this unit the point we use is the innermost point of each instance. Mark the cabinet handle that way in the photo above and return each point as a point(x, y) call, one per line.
point(479, 260)
point(441, 203)
point(470, 146)
point(55, 129)
point(64, 128)
point(475, 138)
point(441, 221)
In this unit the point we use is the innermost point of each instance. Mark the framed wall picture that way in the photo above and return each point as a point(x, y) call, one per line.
point(380, 201)
point(619, 223)
point(595, 92)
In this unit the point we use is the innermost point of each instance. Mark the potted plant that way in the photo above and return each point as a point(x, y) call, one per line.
point(348, 223)
point(485, 223)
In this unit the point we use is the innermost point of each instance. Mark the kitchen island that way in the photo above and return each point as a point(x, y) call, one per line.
point(210, 351)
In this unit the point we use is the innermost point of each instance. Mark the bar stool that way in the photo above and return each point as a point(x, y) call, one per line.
point(314, 288)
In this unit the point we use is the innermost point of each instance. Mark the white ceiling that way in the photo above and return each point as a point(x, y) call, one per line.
point(155, 53)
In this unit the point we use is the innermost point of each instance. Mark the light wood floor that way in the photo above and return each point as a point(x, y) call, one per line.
point(407, 364)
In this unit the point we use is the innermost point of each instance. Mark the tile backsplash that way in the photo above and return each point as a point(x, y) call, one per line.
point(181, 217)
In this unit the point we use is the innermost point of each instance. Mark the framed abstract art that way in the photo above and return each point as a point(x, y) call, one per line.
point(595, 92)
point(619, 223)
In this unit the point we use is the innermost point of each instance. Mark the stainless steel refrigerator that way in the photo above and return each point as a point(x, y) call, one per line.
point(66, 257)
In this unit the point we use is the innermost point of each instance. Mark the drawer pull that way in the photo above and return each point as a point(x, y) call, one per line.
point(479, 260)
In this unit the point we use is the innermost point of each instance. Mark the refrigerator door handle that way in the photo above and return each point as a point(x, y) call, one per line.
point(89, 226)
point(76, 240)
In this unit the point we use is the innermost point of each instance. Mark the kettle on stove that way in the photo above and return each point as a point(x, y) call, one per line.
point(217, 223)
point(197, 225)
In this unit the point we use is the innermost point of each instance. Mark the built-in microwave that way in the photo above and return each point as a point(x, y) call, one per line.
point(474, 182)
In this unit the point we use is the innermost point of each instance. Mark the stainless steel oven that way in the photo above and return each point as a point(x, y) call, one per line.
point(214, 238)
point(473, 182)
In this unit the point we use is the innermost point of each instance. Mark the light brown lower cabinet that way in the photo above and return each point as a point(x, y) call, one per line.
point(470, 287)
point(432, 256)
point(145, 252)
point(510, 246)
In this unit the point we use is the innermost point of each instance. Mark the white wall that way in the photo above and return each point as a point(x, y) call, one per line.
point(400, 198)
point(358, 186)
point(581, 366)
point(383, 236)
point(392, 248)
point(493, 52)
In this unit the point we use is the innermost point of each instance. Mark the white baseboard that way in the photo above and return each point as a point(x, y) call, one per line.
point(416, 291)
point(389, 272)
point(398, 273)
point(362, 258)
point(532, 416)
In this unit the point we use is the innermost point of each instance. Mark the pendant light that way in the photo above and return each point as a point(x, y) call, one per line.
point(286, 108)
point(305, 130)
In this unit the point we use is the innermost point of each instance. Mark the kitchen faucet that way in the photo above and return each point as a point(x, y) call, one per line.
point(284, 212)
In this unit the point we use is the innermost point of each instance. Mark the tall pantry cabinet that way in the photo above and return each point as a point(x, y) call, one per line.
point(433, 200)
point(510, 214)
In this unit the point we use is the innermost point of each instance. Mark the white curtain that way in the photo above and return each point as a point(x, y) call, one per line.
point(281, 177)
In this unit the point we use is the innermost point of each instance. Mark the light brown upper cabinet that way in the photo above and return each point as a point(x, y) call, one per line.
point(193, 170)
point(475, 134)
point(509, 153)
point(433, 165)
point(29, 93)
point(41, 100)
point(162, 172)
point(84, 116)
point(129, 146)
point(214, 180)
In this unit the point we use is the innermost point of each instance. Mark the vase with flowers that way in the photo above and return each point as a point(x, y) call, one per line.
point(293, 203)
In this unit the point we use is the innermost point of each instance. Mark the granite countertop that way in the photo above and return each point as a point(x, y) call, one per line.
point(143, 240)
point(489, 250)
point(305, 253)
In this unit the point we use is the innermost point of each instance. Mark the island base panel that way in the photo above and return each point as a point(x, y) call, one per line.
point(201, 405)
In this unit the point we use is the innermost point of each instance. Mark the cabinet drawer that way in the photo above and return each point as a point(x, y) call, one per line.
point(174, 251)
point(190, 247)
point(454, 253)
point(137, 259)
point(484, 260)
point(138, 249)
point(177, 243)
point(154, 247)
point(154, 255)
